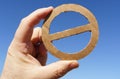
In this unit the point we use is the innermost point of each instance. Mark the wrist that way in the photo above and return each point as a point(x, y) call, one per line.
point(5, 76)
point(2, 76)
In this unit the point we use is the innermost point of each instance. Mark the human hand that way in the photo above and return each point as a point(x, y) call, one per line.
point(27, 55)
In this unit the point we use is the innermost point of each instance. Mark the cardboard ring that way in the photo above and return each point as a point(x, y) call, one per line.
point(91, 27)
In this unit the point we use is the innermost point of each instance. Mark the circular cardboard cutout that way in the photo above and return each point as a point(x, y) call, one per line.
point(92, 27)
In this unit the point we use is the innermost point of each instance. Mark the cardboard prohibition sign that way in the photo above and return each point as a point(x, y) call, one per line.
point(91, 27)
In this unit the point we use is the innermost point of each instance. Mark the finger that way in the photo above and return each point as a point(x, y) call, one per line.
point(25, 29)
point(41, 52)
point(42, 55)
point(36, 36)
point(35, 40)
point(59, 69)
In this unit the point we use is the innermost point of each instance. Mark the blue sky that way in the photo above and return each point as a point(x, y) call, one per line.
point(102, 63)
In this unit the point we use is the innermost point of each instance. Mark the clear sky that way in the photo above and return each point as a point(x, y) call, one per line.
point(102, 63)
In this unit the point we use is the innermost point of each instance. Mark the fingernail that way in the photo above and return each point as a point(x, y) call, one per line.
point(51, 7)
point(74, 64)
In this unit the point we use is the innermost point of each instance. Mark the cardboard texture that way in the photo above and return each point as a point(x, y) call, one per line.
point(91, 27)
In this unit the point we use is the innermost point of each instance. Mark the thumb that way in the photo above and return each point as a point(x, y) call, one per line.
point(60, 68)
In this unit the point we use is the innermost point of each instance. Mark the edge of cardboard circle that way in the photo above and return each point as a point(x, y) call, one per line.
point(94, 29)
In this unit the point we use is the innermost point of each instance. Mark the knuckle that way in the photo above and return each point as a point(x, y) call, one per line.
point(26, 21)
point(23, 20)
point(59, 73)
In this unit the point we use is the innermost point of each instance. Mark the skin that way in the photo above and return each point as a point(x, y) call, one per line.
point(27, 54)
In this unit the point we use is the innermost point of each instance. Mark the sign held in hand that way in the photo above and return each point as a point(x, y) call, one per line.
point(91, 27)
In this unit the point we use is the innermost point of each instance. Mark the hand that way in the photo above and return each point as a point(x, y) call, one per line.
point(27, 55)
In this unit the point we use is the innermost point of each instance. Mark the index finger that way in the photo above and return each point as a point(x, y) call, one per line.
point(25, 29)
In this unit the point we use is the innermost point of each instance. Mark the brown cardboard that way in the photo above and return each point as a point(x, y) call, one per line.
point(91, 27)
